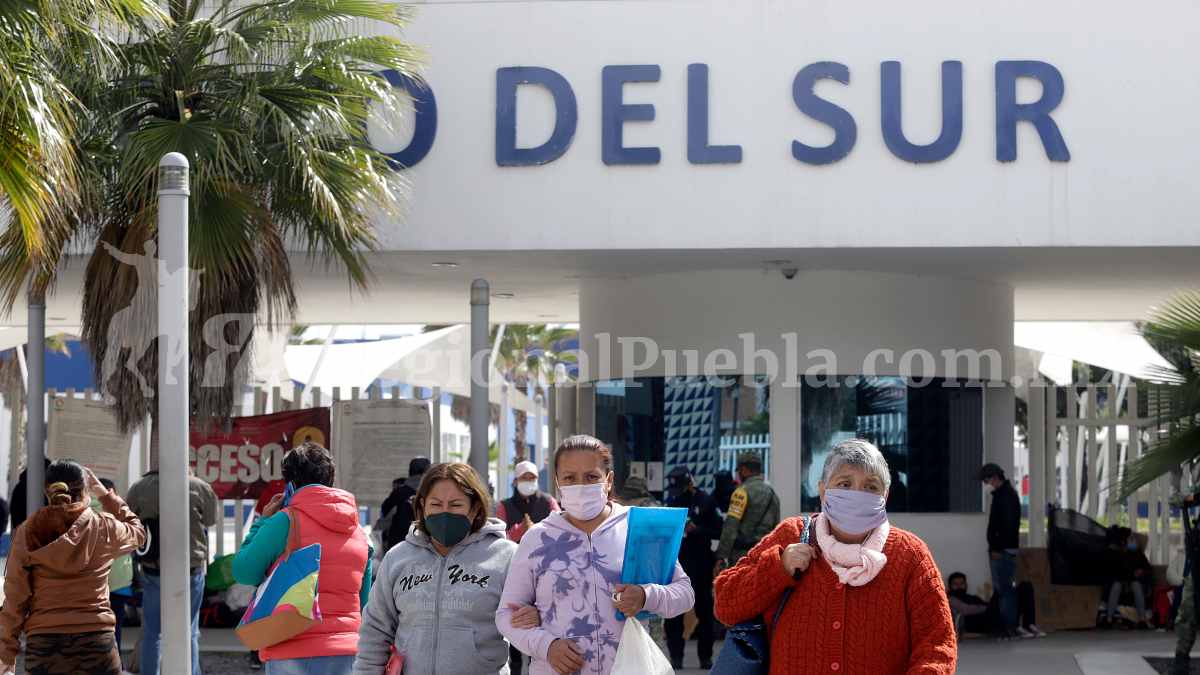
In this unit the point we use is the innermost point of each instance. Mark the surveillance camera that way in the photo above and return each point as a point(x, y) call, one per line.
point(789, 272)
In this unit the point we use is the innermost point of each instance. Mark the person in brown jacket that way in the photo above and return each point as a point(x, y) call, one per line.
point(56, 584)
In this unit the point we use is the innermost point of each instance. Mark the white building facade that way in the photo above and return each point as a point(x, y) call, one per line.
point(866, 190)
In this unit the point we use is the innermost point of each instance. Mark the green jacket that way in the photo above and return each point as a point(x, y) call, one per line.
point(753, 514)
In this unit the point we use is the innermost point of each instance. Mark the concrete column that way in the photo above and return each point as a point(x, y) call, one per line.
point(786, 473)
point(586, 410)
point(480, 351)
point(435, 408)
point(1037, 459)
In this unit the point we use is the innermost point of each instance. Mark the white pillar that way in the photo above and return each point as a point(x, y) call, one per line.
point(435, 408)
point(537, 425)
point(552, 429)
point(1037, 459)
point(173, 410)
point(786, 470)
point(503, 446)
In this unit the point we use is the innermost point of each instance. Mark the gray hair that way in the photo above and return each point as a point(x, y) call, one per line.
point(860, 453)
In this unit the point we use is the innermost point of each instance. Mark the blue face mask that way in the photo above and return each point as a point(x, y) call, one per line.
point(288, 491)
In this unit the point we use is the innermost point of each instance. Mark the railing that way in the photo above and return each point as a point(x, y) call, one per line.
point(1076, 459)
point(732, 446)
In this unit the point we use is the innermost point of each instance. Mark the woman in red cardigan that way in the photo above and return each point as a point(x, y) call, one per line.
point(867, 599)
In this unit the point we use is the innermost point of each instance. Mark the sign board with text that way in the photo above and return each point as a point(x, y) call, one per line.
point(240, 463)
point(374, 440)
point(86, 431)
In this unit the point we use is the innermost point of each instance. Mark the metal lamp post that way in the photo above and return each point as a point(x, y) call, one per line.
point(480, 299)
point(174, 413)
point(35, 399)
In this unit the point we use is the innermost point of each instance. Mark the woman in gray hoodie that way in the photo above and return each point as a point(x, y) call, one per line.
point(435, 599)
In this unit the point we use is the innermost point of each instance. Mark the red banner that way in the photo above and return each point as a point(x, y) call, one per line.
point(241, 463)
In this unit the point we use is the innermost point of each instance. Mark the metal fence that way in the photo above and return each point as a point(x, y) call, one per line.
point(732, 446)
point(1077, 453)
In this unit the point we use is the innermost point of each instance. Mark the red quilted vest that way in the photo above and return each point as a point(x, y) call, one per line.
point(329, 517)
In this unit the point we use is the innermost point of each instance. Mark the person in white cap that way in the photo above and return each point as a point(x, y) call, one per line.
point(527, 507)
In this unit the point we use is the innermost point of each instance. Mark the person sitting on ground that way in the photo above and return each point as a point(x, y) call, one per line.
point(1130, 570)
point(56, 584)
point(973, 614)
point(865, 597)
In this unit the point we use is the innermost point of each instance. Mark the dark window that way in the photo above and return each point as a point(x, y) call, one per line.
point(931, 436)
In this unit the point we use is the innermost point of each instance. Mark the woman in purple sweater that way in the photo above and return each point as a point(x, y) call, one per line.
point(569, 566)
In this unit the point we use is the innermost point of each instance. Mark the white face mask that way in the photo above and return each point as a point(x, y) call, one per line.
point(583, 502)
point(527, 488)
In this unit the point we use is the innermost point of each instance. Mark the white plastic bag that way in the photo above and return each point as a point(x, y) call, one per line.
point(637, 654)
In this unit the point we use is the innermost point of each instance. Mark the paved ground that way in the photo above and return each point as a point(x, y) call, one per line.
point(1067, 653)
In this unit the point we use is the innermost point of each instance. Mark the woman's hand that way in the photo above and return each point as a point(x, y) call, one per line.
point(564, 657)
point(6, 669)
point(272, 506)
point(797, 558)
point(629, 599)
point(524, 617)
point(92, 487)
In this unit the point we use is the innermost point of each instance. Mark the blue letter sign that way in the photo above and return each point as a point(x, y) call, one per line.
point(425, 124)
point(566, 116)
point(699, 151)
point(844, 129)
point(893, 124)
point(1009, 112)
point(615, 113)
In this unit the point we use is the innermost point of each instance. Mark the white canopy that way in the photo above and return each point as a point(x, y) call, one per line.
point(440, 359)
point(1115, 345)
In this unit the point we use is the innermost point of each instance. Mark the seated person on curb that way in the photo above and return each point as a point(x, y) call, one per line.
point(1130, 569)
point(973, 614)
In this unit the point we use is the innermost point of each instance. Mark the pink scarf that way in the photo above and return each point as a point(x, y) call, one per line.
point(854, 564)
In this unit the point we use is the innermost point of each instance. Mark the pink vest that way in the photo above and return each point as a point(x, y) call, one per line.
point(329, 517)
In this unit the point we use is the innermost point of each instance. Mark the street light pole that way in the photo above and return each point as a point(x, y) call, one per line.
point(480, 373)
point(174, 413)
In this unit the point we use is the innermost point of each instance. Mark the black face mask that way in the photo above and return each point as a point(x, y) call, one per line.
point(448, 529)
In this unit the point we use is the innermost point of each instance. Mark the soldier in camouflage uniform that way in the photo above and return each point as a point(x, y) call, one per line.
point(753, 512)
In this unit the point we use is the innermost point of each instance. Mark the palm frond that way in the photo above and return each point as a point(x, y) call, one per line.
point(1177, 321)
point(1162, 458)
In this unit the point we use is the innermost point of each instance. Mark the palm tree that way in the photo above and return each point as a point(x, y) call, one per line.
point(1175, 329)
point(531, 353)
point(268, 100)
point(527, 353)
point(41, 41)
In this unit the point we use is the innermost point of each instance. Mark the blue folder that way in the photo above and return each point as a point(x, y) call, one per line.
point(652, 547)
